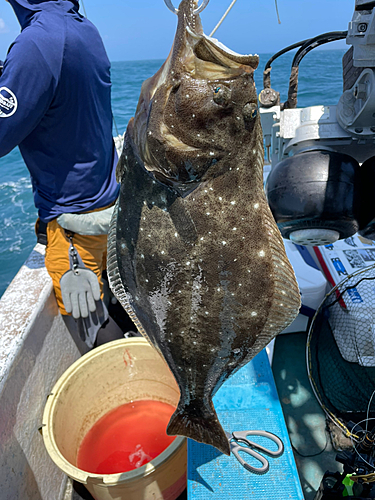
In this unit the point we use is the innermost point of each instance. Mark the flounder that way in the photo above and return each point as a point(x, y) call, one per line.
point(194, 255)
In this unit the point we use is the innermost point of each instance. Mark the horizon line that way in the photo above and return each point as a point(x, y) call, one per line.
point(260, 54)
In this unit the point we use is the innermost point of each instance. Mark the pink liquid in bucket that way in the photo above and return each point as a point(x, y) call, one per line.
point(126, 438)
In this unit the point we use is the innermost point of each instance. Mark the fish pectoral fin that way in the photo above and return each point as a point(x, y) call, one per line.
point(199, 422)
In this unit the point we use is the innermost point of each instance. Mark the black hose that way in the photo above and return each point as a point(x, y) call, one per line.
point(281, 52)
point(291, 102)
point(305, 47)
point(267, 68)
point(316, 42)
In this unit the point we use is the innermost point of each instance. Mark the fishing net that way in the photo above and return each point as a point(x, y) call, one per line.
point(341, 350)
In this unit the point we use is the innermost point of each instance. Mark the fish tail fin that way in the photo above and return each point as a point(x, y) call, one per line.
point(199, 422)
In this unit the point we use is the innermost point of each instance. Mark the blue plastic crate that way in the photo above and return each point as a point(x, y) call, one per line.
point(247, 401)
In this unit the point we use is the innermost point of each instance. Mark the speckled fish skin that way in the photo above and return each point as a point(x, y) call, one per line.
point(195, 256)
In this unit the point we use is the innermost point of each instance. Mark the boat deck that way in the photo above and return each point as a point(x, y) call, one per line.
point(305, 420)
point(247, 401)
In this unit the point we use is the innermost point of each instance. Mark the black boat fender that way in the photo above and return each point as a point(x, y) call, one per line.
point(314, 197)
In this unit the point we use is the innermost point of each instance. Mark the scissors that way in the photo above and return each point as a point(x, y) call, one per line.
point(239, 442)
point(171, 7)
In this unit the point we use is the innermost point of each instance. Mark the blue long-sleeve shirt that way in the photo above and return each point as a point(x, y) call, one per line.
point(55, 104)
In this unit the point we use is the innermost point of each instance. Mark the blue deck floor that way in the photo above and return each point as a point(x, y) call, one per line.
point(248, 400)
point(304, 417)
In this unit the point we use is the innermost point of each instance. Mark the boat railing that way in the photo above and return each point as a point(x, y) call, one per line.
point(35, 349)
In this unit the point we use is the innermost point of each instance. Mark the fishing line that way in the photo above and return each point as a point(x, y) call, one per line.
point(224, 16)
point(368, 410)
point(83, 8)
point(230, 8)
point(355, 449)
point(315, 454)
point(367, 419)
point(115, 124)
point(277, 12)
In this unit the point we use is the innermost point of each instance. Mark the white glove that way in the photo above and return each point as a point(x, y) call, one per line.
point(80, 289)
point(91, 224)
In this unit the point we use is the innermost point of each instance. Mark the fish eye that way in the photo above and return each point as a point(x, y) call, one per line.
point(250, 111)
point(222, 95)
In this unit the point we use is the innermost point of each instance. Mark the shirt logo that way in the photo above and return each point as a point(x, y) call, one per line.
point(8, 103)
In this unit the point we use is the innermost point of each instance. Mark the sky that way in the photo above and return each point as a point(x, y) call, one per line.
point(144, 29)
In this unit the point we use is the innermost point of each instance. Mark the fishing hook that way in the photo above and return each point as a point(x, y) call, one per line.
point(172, 8)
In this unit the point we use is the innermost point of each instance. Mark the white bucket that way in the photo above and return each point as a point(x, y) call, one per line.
point(105, 378)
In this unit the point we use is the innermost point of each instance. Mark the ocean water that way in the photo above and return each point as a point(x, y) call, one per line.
point(320, 82)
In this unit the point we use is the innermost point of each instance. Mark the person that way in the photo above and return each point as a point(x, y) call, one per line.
point(55, 105)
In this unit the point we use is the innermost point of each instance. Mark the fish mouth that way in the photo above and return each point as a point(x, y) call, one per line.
point(202, 55)
point(211, 50)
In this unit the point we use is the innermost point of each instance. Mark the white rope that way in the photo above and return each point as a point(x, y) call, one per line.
point(83, 7)
point(229, 9)
point(224, 16)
